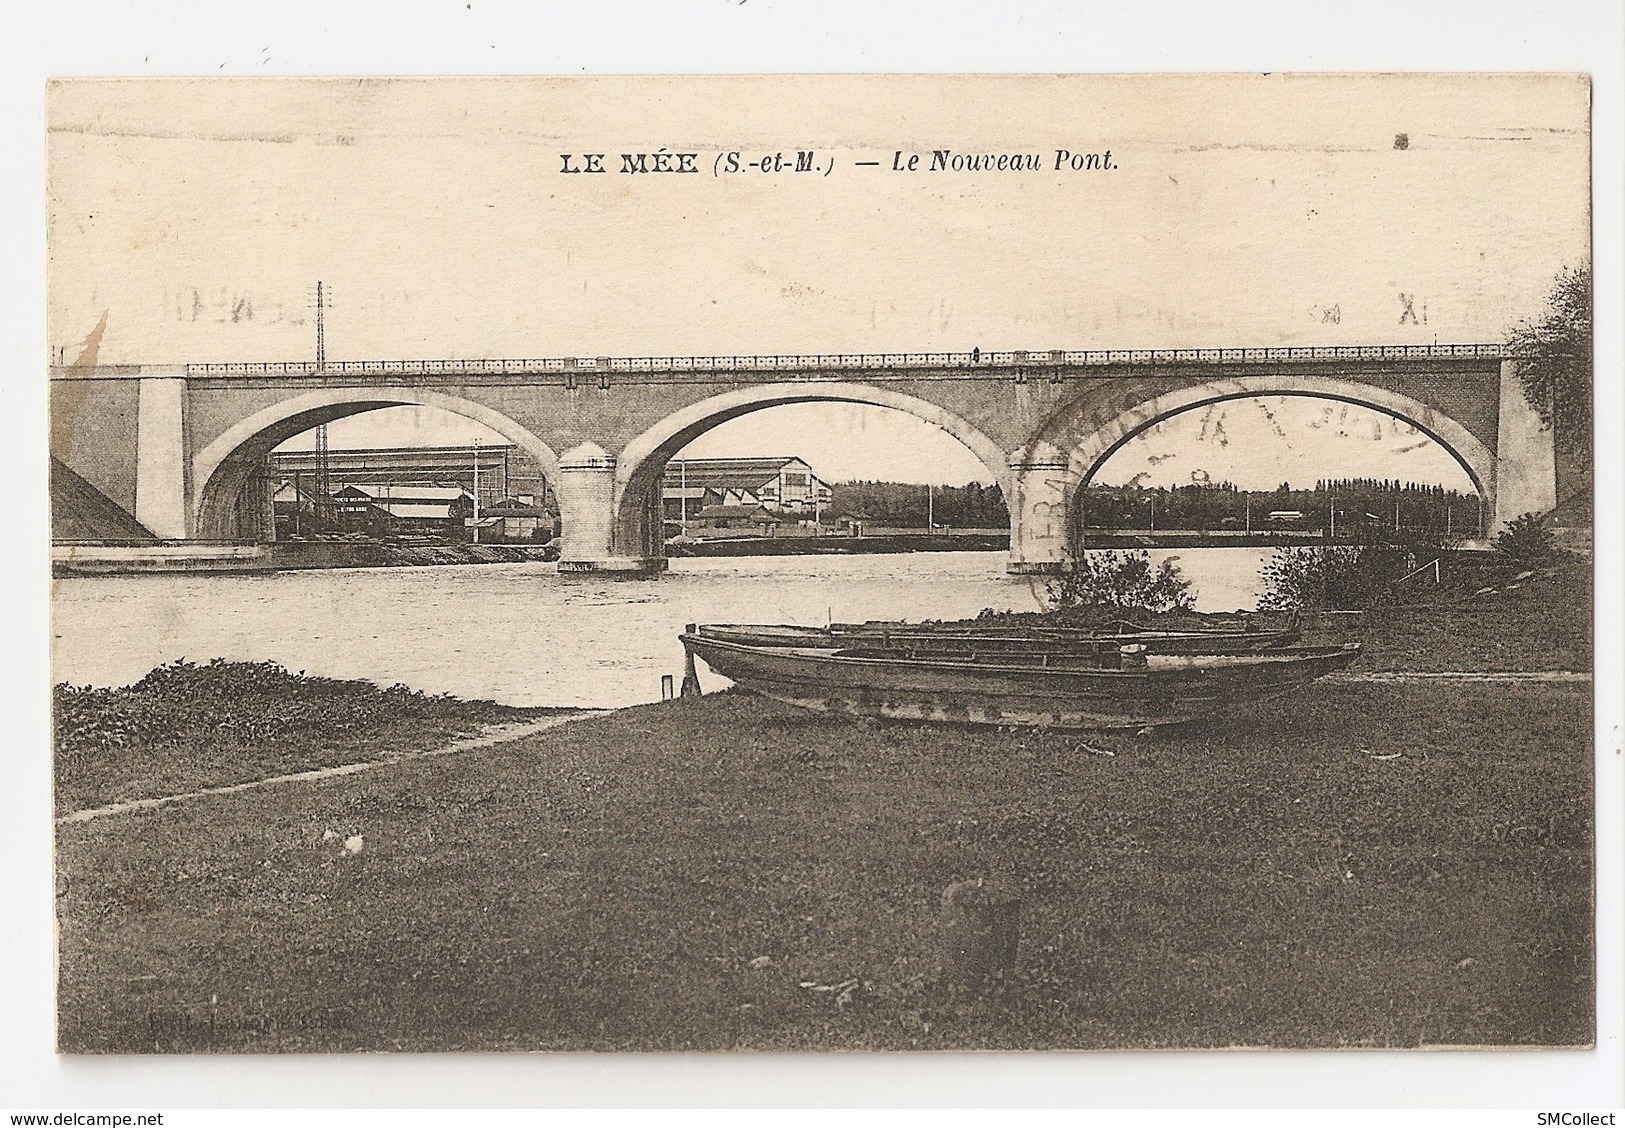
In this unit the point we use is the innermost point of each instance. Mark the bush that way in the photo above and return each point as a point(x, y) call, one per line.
point(1122, 580)
point(1554, 364)
point(1333, 578)
point(238, 705)
point(1525, 542)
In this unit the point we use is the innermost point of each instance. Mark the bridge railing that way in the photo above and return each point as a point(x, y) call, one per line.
point(824, 362)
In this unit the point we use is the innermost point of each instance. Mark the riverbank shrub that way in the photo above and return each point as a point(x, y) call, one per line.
point(1526, 542)
point(237, 703)
point(1341, 577)
point(188, 725)
point(1122, 580)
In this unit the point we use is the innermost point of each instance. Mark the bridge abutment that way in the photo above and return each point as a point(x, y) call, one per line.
point(585, 489)
point(160, 457)
point(1525, 456)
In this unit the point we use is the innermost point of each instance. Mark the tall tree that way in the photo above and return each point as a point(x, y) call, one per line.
point(1553, 356)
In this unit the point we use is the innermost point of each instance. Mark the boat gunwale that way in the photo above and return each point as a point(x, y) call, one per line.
point(781, 635)
point(992, 631)
point(1240, 663)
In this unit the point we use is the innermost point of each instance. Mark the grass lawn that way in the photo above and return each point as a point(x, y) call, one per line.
point(1363, 865)
point(1541, 623)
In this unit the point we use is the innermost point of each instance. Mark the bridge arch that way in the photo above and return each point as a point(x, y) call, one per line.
point(221, 471)
point(641, 461)
point(1070, 447)
point(1103, 440)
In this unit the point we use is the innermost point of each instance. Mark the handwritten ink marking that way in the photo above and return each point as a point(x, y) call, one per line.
point(1409, 311)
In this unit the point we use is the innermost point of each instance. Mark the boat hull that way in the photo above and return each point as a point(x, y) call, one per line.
point(970, 642)
point(1172, 689)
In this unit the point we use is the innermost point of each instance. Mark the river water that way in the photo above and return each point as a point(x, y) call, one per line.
point(521, 633)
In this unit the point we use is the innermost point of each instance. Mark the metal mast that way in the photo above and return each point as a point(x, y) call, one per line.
point(476, 491)
point(324, 470)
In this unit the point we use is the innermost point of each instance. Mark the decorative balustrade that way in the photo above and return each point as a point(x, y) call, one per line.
point(961, 364)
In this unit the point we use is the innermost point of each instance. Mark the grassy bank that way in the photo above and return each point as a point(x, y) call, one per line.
point(1385, 866)
point(186, 726)
point(875, 543)
point(299, 555)
point(1498, 619)
point(1542, 622)
point(1369, 865)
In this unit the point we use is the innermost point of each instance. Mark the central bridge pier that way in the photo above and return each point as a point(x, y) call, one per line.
point(586, 491)
point(182, 449)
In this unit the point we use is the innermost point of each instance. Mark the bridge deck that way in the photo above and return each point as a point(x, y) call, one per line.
point(959, 365)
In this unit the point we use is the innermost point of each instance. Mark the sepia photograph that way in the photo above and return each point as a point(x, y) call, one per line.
point(821, 563)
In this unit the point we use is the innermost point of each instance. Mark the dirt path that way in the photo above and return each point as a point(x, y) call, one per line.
point(1413, 677)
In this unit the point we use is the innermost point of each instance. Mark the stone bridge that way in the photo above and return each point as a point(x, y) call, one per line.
point(181, 448)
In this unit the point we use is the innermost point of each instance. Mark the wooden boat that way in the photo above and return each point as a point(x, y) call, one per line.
point(1076, 690)
point(970, 640)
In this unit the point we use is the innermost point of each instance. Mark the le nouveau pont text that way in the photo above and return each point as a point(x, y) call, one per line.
point(814, 162)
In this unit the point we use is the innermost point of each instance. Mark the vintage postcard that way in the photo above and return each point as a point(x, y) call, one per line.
point(877, 563)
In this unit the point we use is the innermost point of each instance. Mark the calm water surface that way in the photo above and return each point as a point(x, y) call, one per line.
point(520, 633)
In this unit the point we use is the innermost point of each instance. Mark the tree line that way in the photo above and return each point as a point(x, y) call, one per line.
point(904, 505)
point(1360, 502)
point(1371, 503)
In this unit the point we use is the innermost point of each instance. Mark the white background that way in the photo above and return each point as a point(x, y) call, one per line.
point(726, 36)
